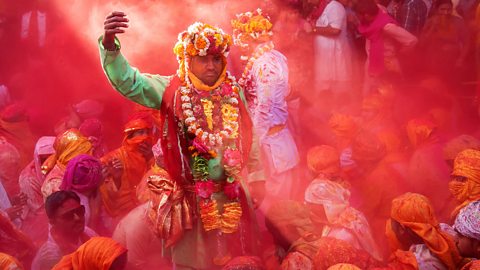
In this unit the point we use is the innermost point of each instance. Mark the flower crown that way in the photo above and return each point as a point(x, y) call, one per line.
point(200, 39)
point(251, 26)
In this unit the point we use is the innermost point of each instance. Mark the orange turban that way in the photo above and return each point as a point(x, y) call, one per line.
point(466, 164)
point(9, 262)
point(98, 253)
point(332, 251)
point(419, 131)
point(343, 125)
point(415, 212)
point(474, 265)
point(67, 146)
point(343, 266)
point(368, 147)
point(323, 159)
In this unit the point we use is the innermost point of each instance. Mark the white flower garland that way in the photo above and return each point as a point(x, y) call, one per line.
point(230, 122)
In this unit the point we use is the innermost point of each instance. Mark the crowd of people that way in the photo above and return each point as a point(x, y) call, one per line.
point(331, 134)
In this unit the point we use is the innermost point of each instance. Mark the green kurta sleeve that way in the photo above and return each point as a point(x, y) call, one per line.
point(142, 88)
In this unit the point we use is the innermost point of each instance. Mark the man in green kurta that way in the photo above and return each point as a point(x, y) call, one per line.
point(207, 139)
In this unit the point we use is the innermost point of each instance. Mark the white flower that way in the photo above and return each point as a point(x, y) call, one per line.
point(185, 99)
point(233, 100)
point(191, 129)
point(188, 113)
point(190, 120)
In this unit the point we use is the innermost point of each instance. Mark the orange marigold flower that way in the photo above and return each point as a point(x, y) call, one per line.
point(191, 49)
point(200, 43)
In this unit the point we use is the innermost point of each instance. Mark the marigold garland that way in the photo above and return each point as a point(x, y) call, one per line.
point(251, 26)
point(232, 212)
point(210, 216)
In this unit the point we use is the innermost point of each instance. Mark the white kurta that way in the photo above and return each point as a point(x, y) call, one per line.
point(332, 54)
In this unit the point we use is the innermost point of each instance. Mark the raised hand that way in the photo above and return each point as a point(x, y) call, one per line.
point(115, 23)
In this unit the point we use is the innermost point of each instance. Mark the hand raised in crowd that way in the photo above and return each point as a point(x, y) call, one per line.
point(14, 211)
point(20, 199)
point(117, 168)
point(115, 23)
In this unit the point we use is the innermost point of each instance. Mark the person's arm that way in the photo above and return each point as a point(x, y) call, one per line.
point(406, 40)
point(328, 31)
point(142, 88)
point(336, 15)
point(272, 86)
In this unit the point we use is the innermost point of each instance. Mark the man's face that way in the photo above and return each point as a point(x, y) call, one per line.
point(365, 18)
point(468, 247)
point(207, 68)
point(70, 218)
point(445, 9)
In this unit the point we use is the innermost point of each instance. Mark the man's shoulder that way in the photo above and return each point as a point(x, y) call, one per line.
point(48, 253)
point(134, 219)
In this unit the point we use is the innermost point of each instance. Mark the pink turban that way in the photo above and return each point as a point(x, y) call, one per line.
point(83, 173)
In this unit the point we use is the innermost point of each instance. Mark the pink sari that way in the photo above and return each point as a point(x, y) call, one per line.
point(374, 33)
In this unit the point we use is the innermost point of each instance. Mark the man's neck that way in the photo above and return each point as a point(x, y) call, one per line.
point(68, 242)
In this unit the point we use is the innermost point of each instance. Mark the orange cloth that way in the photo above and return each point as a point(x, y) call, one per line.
point(67, 146)
point(332, 251)
point(169, 213)
point(119, 201)
point(8, 262)
point(466, 164)
point(14, 126)
point(343, 266)
point(323, 159)
point(390, 138)
point(415, 212)
point(367, 147)
point(419, 131)
point(343, 125)
point(201, 86)
point(98, 253)
point(474, 265)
